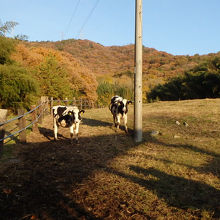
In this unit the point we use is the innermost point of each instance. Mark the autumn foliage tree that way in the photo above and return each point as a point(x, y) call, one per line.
point(53, 79)
point(59, 74)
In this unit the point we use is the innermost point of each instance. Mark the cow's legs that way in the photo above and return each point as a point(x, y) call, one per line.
point(114, 120)
point(71, 134)
point(55, 129)
point(77, 132)
point(125, 122)
point(118, 121)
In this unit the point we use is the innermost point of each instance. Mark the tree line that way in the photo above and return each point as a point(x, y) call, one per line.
point(26, 73)
point(21, 86)
point(203, 81)
point(25, 77)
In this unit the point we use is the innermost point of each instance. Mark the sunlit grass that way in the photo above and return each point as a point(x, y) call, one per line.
point(163, 177)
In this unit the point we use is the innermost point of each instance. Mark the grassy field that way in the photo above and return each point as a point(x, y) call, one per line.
point(173, 174)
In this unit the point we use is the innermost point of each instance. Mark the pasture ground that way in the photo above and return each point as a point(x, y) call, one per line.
point(173, 174)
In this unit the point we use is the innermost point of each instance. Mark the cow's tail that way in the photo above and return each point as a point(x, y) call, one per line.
point(110, 106)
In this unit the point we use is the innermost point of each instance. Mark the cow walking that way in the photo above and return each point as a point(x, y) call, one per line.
point(119, 109)
point(67, 117)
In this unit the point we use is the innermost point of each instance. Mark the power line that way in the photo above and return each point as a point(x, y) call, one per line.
point(73, 15)
point(88, 17)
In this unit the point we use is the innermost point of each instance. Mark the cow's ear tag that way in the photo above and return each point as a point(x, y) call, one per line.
point(70, 113)
point(82, 111)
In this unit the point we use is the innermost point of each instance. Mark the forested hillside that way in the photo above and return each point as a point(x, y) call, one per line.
point(116, 63)
point(82, 68)
point(58, 66)
point(29, 72)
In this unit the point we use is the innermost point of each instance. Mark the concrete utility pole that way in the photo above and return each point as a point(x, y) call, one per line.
point(138, 73)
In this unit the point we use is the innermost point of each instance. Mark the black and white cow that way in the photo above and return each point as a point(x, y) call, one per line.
point(119, 109)
point(67, 117)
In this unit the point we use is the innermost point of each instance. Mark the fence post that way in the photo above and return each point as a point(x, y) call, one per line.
point(3, 118)
point(51, 105)
point(39, 112)
point(34, 118)
point(92, 104)
point(81, 103)
point(43, 101)
point(74, 101)
point(86, 104)
point(46, 99)
point(21, 125)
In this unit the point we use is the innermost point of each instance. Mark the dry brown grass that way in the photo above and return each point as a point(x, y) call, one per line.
point(173, 175)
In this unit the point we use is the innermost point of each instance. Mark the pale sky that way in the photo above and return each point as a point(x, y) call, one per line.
point(179, 27)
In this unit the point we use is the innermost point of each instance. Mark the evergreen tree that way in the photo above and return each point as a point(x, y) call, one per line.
point(7, 46)
point(203, 81)
point(16, 87)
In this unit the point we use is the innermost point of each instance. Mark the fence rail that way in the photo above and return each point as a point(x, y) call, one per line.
point(80, 103)
point(19, 116)
point(37, 113)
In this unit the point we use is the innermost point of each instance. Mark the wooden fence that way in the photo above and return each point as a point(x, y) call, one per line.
point(33, 117)
point(30, 119)
point(80, 103)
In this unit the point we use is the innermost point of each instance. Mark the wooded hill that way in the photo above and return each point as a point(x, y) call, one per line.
point(116, 63)
point(85, 69)
point(28, 72)
point(65, 68)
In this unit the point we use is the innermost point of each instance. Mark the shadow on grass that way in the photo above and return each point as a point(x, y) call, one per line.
point(48, 133)
point(176, 191)
point(41, 183)
point(212, 167)
point(95, 123)
point(149, 138)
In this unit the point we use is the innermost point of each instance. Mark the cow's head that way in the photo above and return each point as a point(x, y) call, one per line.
point(66, 120)
point(124, 105)
point(77, 115)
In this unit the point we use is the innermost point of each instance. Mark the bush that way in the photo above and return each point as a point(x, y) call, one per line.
point(106, 90)
point(7, 46)
point(17, 87)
